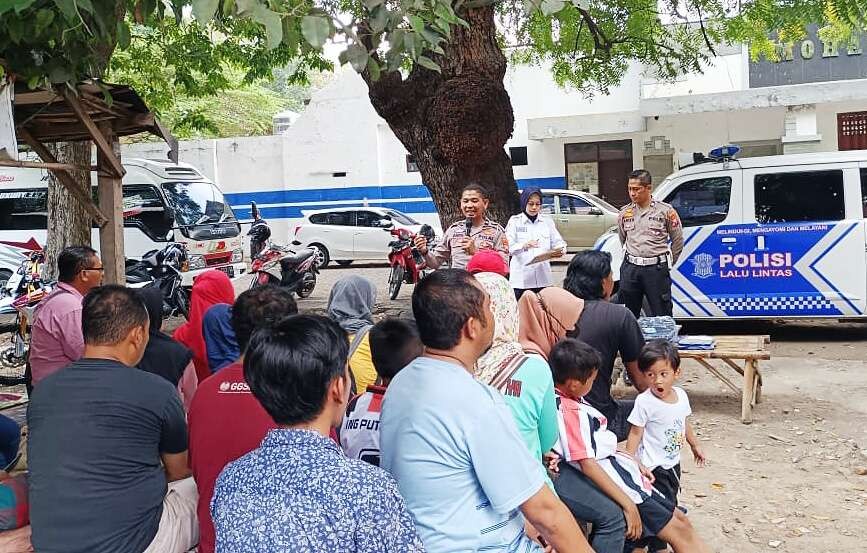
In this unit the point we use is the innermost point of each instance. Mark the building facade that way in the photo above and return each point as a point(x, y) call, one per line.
point(339, 152)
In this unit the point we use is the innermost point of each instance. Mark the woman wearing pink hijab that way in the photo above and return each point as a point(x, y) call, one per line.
point(209, 289)
point(546, 317)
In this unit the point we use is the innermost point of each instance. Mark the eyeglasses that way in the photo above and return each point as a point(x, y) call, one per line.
point(101, 269)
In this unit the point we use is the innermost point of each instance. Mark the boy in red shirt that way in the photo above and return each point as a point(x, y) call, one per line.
point(225, 420)
point(394, 343)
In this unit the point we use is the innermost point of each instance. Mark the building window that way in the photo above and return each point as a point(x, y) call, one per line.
point(411, 165)
point(702, 201)
point(852, 131)
point(518, 155)
point(780, 197)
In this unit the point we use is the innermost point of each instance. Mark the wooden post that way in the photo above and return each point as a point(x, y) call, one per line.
point(111, 204)
point(748, 391)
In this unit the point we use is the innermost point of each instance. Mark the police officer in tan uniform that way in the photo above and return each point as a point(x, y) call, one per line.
point(467, 236)
point(645, 227)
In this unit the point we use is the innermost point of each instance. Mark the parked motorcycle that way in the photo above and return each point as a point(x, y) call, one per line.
point(259, 232)
point(162, 269)
point(293, 270)
point(24, 290)
point(407, 263)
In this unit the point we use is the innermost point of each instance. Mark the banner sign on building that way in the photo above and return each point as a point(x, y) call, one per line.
point(812, 61)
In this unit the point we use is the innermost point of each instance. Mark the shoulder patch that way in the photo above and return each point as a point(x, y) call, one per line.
point(674, 218)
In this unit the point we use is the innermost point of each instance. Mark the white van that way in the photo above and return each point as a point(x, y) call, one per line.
point(780, 236)
point(164, 202)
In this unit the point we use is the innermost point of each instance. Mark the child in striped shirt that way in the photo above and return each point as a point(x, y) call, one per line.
point(586, 443)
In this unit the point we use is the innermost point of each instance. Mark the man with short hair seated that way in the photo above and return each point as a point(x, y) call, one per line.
point(298, 491)
point(108, 444)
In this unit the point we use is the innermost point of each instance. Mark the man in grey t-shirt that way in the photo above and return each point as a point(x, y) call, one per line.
point(104, 440)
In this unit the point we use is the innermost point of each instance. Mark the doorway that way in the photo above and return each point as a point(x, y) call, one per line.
point(600, 168)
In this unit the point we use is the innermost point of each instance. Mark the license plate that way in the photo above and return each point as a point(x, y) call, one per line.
point(228, 270)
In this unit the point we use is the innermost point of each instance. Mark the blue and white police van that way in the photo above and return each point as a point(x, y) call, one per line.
point(779, 236)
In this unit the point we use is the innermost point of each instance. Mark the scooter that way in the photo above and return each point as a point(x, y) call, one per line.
point(407, 263)
point(162, 269)
point(293, 270)
point(27, 278)
point(22, 294)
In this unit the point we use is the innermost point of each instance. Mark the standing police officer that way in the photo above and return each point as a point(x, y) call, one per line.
point(467, 236)
point(645, 227)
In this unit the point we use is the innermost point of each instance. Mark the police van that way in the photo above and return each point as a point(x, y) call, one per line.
point(780, 236)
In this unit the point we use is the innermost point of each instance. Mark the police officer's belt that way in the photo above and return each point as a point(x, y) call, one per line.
point(645, 261)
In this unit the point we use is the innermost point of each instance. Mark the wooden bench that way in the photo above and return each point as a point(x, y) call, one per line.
point(748, 349)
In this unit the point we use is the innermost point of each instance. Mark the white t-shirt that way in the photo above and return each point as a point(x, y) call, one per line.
point(664, 428)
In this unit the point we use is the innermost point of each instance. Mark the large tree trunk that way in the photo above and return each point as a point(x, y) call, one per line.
point(455, 124)
point(68, 222)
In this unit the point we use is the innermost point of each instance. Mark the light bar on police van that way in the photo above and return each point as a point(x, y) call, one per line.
point(724, 152)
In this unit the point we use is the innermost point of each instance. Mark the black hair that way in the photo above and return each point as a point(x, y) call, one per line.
point(394, 343)
point(290, 365)
point(260, 307)
point(585, 274)
point(73, 260)
point(476, 187)
point(110, 312)
point(442, 303)
point(642, 176)
point(658, 350)
point(572, 359)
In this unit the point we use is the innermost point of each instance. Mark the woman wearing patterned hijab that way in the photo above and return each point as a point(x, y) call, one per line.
point(525, 381)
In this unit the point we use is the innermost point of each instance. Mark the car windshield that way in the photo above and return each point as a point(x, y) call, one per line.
point(401, 217)
point(603, 204)
point(198, 203)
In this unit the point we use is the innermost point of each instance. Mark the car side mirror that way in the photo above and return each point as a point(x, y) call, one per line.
point(384, 223)
point(595, 211)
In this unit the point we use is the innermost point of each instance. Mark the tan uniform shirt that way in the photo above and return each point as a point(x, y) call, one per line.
point(489, 235)
point(646, 232)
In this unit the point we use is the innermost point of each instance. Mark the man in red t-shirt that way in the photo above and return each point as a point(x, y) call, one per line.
point(226, 421)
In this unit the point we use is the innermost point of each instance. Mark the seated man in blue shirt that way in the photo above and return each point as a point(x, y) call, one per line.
point(298, 491)
point(467, 475)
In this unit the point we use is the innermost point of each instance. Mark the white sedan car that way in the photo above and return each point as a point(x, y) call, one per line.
point(352, 234)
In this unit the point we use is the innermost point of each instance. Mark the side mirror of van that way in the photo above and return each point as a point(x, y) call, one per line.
point(169, 215)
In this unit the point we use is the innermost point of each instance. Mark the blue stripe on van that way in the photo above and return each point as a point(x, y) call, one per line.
point(322, 198)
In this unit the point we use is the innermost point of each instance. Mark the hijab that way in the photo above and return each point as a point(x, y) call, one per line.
point(220, 343)
point(505, 311)
point(351, 303)
point(525, 199)
point(546, 317)
point(209, 288)
point(162, 356)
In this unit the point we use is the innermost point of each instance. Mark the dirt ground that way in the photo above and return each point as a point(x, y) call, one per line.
point(788, 482)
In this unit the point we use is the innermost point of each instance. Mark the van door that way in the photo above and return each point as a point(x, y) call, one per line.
point(710, 209)
point(805, 250)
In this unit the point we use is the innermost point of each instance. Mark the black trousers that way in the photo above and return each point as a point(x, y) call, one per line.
point(650, 281)
point(668, 482)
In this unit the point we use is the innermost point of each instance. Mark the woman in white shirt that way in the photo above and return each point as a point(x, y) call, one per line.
point(531, 233)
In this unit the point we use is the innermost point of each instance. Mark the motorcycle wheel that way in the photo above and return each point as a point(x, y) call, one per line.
point(395, 279)
point(182, 299)
point(308, 283)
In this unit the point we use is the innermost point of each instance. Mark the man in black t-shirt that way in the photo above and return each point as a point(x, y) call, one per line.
point(108, 444)
point(610, 329)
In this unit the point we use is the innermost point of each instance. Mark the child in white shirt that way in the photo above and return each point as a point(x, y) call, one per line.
point(660, 422)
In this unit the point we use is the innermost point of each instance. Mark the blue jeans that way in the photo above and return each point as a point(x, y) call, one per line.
point(589, 504)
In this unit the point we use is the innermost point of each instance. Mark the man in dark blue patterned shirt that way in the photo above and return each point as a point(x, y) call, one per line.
point(298, 491)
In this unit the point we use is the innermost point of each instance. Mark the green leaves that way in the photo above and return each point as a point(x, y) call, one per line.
point(357, 56)
point(315, 29)
point(271, 21)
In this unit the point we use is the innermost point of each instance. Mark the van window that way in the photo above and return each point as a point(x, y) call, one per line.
point(150, 214)
point(702, 201)
point(864, 191)
point(24, 209)
point(802, 196)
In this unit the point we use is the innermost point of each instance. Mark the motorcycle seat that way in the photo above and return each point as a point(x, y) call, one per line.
point(298, 258)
